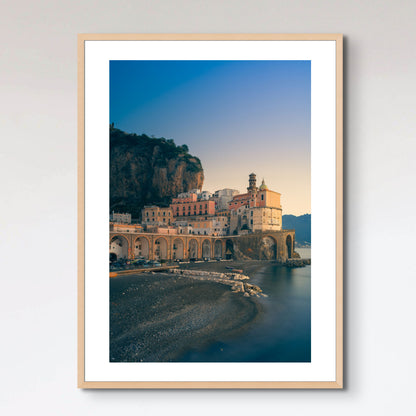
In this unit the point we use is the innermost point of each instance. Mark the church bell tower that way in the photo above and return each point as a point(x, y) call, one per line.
point(252, 183)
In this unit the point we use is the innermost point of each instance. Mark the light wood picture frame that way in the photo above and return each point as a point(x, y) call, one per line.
point(325, 52)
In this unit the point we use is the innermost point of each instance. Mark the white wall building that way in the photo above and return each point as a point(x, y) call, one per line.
point(222, 197)
point(183, 227)
point(123, 218)
point(195, 191)
point(212, 226)
point(204, 196)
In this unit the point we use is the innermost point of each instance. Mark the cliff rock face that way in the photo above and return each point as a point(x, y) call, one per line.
point(146, 170)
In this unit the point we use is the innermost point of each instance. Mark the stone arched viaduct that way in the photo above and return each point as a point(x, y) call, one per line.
point(274, 245)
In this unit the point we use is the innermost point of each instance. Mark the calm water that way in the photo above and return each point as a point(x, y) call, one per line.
point(283, 332)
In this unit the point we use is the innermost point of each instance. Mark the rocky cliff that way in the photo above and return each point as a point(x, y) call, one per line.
point(145, 170)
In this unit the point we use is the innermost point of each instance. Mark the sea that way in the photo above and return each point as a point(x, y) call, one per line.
point(282, 333)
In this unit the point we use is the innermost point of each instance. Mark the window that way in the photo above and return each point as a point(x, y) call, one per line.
point(262, 197)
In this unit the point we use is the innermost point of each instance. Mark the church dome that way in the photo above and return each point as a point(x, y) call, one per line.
point(263, 186)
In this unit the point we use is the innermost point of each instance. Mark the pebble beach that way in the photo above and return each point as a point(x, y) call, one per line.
point(159, 317)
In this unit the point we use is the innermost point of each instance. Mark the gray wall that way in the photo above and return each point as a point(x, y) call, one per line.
point(38, 211)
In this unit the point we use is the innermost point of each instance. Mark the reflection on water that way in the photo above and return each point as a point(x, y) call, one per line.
point(283, 332)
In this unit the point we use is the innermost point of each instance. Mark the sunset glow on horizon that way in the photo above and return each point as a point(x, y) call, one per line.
point(238, 117)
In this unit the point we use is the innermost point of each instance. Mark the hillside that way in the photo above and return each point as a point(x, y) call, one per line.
point(145, 170)
point(302, 226)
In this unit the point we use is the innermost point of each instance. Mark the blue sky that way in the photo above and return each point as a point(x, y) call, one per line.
point(238, 117)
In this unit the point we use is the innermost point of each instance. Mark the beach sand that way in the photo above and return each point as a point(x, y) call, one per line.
point(158, 317)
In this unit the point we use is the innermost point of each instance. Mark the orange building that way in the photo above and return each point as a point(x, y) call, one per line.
point(191, 197)
point(154, 215)
point(126, 228)
point(257, 210)
point(256, 197)
point(190, 209)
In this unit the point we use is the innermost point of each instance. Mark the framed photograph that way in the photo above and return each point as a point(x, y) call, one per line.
point(210, 211)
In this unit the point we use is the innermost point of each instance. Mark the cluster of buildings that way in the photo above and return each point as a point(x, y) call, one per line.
point(224, 212)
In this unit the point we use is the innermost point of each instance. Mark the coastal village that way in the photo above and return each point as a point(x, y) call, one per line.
point(199, 301)
point(225, 212)
point(202, 261)
point(203, 225)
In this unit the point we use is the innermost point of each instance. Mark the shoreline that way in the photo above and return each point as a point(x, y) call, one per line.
point(293, 262)
point(159, 317)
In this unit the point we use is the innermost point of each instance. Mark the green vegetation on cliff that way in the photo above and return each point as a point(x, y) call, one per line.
point(146, 170)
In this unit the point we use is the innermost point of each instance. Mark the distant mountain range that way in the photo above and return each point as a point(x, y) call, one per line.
point(302, 227)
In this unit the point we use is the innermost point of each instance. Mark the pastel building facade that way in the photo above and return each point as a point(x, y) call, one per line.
point(183, 227)
point(183, 207)
point(222, 197)
point(214, 226)
point(157, 229)
point(126, 228)
point(154, 215)
point(122, 218)
point(257, 210)
point(205, 196)
point(226, 212)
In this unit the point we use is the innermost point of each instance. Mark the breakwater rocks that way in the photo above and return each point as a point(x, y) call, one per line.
point(234, 280)
point(295, 262)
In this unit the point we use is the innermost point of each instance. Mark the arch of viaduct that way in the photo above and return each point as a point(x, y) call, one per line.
point(276, 245)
